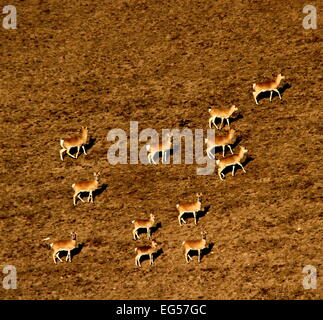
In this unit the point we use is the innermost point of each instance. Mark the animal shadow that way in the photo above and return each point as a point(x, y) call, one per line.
point(228, 170)
point(153, 229)
point(236, 143)
point(204, 252)
point(202, 213)
point(266, 94)
point(100, 190)
point(236, 118)
point(90, 144)
point(183, 122)
point(155, 255)
point(74, 252)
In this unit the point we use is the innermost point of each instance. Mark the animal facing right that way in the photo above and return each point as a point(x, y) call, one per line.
point(86, 186)
point(269, 85)
point(64, 245)
point(78, 142)
point(222, 114)
point(232, 160)
point(186, 207)
point(146, 250)
point(143, 224)
point(195, 245)
point(220, 141)
point(164, 147)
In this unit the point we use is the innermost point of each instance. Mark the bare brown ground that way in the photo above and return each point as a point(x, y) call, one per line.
point(104, 63)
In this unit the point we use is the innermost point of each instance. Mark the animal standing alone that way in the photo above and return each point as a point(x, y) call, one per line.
point(64, 245)
point(86, 186)
point(269, 85)
point(195, 245)
point(186, 207)
point(232, 160)
point(78, 142)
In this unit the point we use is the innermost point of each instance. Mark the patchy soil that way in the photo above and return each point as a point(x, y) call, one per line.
point(162, 63)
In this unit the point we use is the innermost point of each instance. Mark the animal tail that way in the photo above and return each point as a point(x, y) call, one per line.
point(73, 185)
point(133, 221)
point(177, 206)
point(253, 86)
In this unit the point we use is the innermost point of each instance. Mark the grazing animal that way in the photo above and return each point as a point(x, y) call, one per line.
point(146, 250)
point(78, 142)
point(86, 186)
point(64, 245)
point(222, 114)
point(220, 141)
point(270, 85)
point(163, 147)
point(232, 160)
point(189, 207)
point(195, 245)
point(143, 223)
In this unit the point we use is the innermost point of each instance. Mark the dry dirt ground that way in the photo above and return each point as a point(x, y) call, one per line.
point(162, 63)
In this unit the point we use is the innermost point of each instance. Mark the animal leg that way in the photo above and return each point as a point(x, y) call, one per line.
point(242, 167)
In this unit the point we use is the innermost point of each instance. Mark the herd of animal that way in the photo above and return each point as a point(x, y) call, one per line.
point(153, 149)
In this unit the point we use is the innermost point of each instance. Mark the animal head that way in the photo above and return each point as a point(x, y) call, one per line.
point(96, 174)
point(243, 149)
point(280, 77)
point(234, 108)
point(199, 196)
point(73, 234)
point(154, 243)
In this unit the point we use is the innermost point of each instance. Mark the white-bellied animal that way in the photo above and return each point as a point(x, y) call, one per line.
point(163, 147)
point(220, 141)
point(232, 160)
point(86, 186)
point(269, 85)
point(195, 245)
point(143, 224)
point(146, 250)
point(186, 207)
point(78, 142)
point(64, 245)
point(222, 114)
